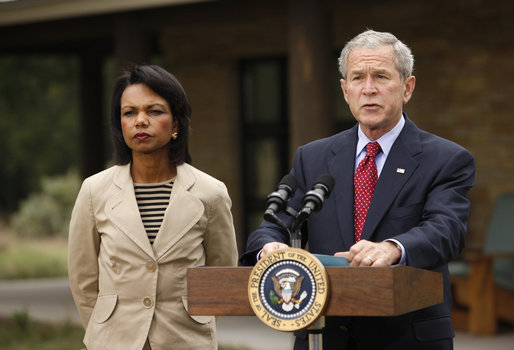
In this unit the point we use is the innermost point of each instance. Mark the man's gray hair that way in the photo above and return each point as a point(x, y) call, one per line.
point(370, 39)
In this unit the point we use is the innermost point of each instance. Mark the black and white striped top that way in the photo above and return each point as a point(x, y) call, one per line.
point(152, 200)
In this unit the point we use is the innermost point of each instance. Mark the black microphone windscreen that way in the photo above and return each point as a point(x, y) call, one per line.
point(327, 180)
point(290, 181)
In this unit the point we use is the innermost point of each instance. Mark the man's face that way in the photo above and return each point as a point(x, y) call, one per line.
point(374, 90)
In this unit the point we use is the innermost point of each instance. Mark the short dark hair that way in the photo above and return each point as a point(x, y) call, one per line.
point(169, 88)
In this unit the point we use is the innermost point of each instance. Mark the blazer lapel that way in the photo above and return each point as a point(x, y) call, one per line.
point(341, 166)
point(122, 210)
point(183, 212)
point(398, 168)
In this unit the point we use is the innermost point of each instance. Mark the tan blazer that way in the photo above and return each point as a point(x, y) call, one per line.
point(126, 290)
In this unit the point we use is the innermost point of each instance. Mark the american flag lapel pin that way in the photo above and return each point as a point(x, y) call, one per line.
point(400, 170)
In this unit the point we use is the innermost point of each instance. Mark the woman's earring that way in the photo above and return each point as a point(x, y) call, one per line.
point(174, 135)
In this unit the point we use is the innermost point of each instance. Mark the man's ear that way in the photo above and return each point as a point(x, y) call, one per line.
point(343, 88)
point(409, 85)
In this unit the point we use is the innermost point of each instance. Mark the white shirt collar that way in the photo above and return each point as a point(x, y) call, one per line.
point(386, 141)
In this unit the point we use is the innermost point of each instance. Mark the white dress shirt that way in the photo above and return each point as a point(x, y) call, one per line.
point(386, 141)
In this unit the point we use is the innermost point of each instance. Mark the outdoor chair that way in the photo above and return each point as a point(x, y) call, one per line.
point(483, 281)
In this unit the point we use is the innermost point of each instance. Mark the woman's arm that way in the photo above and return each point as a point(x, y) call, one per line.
point(83, 247)
point(220, 238)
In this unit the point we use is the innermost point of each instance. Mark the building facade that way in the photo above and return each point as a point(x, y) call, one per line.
point(262, 78)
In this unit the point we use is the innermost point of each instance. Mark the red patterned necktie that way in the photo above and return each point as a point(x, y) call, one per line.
point(364, 183)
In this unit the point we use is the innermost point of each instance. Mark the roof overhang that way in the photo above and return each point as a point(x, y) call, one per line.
point(13, 12)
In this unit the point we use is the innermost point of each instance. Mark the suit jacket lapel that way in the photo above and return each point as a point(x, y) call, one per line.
point(341, 166)
point(122, 210)
point(397, 170)
point(183, 212)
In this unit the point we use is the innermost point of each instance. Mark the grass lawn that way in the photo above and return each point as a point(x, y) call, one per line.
point(22, 258)
point(31, 258)
point(21, 333)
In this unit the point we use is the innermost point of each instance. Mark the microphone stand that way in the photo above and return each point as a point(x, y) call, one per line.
point(296, 239)
point(295, 236)
point(315, 334)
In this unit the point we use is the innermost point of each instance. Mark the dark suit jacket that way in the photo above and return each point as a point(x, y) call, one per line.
point(425, 207)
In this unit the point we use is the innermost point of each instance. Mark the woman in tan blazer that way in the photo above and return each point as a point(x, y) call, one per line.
point(137, 226)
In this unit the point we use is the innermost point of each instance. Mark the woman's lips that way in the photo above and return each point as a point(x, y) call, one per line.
point(141, 136)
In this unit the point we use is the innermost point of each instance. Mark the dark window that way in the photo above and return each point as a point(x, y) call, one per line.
point(265, 133)
point(343, 116)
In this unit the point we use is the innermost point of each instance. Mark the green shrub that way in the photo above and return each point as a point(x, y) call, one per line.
point(22, 333)
point(47, 213)
point(34, 259)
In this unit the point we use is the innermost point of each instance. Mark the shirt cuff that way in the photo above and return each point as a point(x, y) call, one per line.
point(258, 256)
point(403, 258)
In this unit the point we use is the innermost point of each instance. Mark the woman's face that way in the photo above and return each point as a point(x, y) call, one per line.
point(146, 121)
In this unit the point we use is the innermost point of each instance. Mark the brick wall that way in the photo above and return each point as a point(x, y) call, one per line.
point(464, 52)
point(203, 50)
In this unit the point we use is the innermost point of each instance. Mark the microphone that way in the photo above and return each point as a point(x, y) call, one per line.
point(277, 201)
point(313, 199)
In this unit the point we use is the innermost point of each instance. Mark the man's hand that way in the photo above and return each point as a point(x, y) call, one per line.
point(271, 247)
point(366, 253)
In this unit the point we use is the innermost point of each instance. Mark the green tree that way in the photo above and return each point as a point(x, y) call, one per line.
point(38, 121)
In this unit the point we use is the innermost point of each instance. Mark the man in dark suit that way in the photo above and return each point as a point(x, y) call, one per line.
point(417, 211)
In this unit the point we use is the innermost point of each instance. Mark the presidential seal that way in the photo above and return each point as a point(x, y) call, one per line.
point(288, 289)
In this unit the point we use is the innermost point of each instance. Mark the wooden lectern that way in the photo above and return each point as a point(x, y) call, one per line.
point(354, 291)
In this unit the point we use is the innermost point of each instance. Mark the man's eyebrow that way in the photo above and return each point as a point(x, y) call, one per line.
point(380, 70)
point(373, 70)
point(356, 71)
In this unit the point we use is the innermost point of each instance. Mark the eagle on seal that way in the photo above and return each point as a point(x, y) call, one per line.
point(287, 284)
